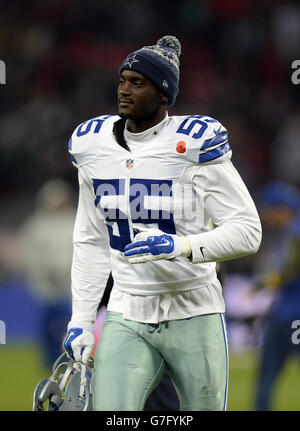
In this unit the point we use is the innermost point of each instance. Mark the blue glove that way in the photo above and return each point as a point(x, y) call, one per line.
point(80, 341)
point(153, 244)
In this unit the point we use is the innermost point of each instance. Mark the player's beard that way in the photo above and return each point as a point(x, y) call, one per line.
point(141, 112)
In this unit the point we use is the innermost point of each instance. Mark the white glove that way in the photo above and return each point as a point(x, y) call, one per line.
point(154, 244)
point(80, 341)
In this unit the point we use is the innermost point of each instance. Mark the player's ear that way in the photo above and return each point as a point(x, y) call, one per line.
point(164, 100)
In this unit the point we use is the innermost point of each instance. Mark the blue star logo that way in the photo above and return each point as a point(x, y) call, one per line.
point(129, 62)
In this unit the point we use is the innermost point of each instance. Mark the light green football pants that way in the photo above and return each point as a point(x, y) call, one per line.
point(131, 357)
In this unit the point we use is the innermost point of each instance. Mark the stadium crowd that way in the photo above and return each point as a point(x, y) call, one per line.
point(62, 59)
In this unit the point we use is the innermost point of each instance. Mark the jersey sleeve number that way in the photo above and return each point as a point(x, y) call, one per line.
point(196, 124)
point(85, 127)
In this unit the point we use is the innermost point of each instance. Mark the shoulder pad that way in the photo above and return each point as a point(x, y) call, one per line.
point(84, 142)
point(206, 137)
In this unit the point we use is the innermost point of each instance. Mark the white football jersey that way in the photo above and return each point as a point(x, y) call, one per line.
point(177, 178)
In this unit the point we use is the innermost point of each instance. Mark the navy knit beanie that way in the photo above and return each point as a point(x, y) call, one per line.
point(159, 63)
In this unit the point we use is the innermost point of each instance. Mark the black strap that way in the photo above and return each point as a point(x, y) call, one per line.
point(118, 131)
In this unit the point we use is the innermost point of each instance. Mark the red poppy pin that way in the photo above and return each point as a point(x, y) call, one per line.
point(181, 147)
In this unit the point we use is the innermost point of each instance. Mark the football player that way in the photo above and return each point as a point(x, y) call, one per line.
point(159, 204)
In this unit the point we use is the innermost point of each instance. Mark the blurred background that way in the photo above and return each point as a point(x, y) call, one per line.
point(62, 59)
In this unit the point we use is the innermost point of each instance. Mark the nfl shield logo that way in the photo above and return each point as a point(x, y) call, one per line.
point(129, 163)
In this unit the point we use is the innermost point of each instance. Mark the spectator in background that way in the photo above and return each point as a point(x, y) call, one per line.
point(281, 257)
point(46, 254)
point(287, 138)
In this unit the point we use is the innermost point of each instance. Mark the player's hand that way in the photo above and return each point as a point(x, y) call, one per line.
point(154, 244)
point(80, 341)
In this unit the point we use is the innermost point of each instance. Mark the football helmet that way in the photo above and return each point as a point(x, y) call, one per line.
point(67, 389)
